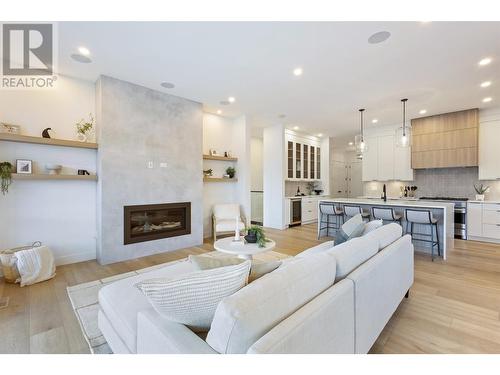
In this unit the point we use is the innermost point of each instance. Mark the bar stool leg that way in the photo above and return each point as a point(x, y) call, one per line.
point(438, 244)
point(432, 242)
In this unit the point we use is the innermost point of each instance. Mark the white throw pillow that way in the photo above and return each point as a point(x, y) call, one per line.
point(350, 225)
point(372, 225)
point(192, 299)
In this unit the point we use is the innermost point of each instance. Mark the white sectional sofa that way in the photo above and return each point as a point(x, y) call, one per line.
point(325, 300)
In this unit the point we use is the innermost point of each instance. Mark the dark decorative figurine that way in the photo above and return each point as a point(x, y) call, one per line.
point(45, 133)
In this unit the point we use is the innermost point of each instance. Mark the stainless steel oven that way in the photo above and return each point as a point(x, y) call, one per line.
point(295, 211)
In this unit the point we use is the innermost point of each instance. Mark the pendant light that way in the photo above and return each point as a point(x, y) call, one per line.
point(359, 140)
point(403, 134)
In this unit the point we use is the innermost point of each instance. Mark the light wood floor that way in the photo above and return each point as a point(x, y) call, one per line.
point(454, 306)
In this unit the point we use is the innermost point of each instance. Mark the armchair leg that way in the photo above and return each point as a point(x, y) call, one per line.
point(407, 293)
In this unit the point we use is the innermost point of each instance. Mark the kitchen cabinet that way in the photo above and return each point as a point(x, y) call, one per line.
point(370, 160)
point(483, 221)
point(474, 219)
point(489, 150)
point(309, 209)
point(386, 158)
point(302, 158)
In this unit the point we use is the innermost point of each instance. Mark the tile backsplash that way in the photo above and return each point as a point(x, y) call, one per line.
point(446, 182)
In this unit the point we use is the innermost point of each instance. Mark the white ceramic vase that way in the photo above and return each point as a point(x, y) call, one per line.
point(480, 197)
point(81, 137)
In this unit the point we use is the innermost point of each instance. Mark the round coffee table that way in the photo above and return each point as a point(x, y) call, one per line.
point(243, 251)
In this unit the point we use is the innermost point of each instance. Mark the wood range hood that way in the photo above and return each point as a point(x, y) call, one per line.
point(446, 140)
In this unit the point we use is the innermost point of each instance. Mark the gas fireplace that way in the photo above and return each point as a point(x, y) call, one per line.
point(156, 221)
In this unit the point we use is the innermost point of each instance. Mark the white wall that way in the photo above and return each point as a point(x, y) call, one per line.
point(226, 134)
point(61, 214)
point(257, 184)
point(274, 176)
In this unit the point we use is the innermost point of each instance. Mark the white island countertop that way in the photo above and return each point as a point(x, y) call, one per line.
point(443, 211)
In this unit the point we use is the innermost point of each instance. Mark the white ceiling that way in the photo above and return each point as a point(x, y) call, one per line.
point(433, 64)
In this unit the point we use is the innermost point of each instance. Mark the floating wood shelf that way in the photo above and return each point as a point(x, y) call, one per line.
point(22, 176)
point(219, 179)
point(45, 141)
point(223, 158)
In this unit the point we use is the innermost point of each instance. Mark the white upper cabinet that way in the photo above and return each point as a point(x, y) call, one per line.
point(302, 156)
point(384, 161)
point(489, 150)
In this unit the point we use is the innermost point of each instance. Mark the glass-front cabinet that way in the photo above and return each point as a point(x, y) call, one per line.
point(302, 159)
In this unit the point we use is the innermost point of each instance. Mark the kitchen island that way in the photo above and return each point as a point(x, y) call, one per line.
point(442, 211)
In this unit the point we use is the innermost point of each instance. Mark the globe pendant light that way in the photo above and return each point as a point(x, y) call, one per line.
point(403, 134)
point(359, 140)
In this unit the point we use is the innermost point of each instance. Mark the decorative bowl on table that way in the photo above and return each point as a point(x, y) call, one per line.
point(53, 168)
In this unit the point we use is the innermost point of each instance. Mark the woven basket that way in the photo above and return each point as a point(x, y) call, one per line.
point(8, 261)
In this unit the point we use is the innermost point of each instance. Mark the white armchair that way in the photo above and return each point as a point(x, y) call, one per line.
point(224, 219)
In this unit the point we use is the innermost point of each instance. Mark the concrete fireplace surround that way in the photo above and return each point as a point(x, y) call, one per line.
point(136, 126)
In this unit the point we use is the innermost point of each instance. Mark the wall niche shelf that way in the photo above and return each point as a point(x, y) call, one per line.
point(219, 179)
point(22, 176)
point(221, 158)
point(46, 141)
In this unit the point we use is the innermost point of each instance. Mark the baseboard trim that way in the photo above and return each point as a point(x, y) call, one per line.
point(75, 258)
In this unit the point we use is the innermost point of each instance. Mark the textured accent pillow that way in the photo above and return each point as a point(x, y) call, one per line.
point(342, 236)
point(372, 225)
point(257, 270)
point(350, 225)
point(192, 299)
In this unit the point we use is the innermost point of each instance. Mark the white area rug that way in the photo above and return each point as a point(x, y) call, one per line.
point(85, 304)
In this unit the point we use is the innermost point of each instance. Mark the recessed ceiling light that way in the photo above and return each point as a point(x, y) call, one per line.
point(374, 121)
point(231, 99)
point(84, 51)
point(297, 72)
point(422, 111)
point(296, 128)
point(320, 134)
point(350, 143)
point(224, 102)
point(487, 100)
point(80, 58)
point(485, 61)
point(486, 84)
point(379, 37)
point(219, 112)
point(167, 85)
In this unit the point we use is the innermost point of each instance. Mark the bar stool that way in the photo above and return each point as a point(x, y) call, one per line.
point(386, 214)
point(329, 209)
point(423, 217)
point(351, 211)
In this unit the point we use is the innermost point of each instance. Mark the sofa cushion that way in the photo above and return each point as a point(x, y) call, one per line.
point(385, 235)
point(120, 301)
point(243, 318)
point(371, 226)
point(227, 211)
point(351, 254)
point(228, 225)
point(191, 299)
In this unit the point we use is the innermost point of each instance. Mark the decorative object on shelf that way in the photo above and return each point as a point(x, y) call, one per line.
point(256, 234)
point(53, 168)
point(208, 172)
point(480, 190)
point(230, 171)
point(83, 128)
point(359, 141)
point(45, 133)
point(310, 187)
point(83, 172)
point(212, 152)
point(225, 154)
point(403, 134)
point(229, 154)
point(24, 166)
point(5, 176)
point(9, 128)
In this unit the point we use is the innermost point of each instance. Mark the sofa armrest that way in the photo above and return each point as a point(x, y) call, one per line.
point(157, 335)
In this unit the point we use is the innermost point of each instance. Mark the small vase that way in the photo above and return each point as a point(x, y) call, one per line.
point(80, 137)
point(480, 197)
point(251, 237)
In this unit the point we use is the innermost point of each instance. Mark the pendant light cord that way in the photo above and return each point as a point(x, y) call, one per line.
point(361, 119)
point(404, 116)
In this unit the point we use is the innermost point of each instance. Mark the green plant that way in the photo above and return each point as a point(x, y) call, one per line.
point(259, 233)
point(230, 172)
point(310, 186)
point(6, 176)
point(83, 127)
point(481, 189)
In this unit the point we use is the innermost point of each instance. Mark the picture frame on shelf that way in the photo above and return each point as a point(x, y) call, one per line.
point(24, 166)
point(212, 152)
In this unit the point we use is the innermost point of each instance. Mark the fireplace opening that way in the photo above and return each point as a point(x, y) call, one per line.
point(155, 221)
